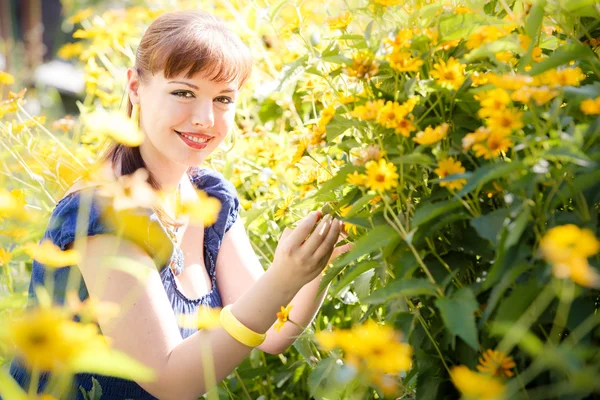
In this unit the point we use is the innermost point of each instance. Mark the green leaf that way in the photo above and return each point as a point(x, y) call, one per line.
point(517, 226)
point(488, 173)
point(338, 180)
point(95, 393)
point(573, 155)
point(527, 340)
point(460, 25)
point(563, 55)
point(377, 238)
point(352, 273)
point(458, 313)
point(338, 126)
point(113, 363)
point(513, 306)
point(534, 21)
point(358, 205)
point(251, 215)
point(428, 211)
point(489, 226)
point(532, 29)
point(414, 159)
point(401, 288)
point(579, 184)
point(289, 70)
point(337, 59)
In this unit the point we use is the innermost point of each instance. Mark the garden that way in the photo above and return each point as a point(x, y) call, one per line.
point(458, 140)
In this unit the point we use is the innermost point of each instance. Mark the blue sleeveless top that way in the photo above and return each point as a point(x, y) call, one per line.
point(61, 230)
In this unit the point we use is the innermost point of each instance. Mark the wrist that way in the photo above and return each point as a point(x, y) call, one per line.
point(283, 281)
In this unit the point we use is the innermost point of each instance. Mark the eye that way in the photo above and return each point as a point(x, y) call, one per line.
point(183, 94)
point(224, 99)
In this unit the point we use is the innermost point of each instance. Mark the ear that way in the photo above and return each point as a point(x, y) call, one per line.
point(133, 85)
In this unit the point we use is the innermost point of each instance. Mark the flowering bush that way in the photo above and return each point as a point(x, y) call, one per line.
point(458, 140)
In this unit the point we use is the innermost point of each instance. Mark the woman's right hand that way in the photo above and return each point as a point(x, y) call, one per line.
point(302, 257)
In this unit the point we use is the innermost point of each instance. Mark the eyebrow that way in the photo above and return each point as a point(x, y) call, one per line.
point(229, 90)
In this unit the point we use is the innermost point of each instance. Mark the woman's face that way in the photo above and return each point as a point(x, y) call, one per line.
point(184, 119)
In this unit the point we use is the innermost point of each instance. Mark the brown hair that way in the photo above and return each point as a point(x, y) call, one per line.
point(184, 41)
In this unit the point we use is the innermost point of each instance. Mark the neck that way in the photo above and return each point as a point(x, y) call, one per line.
point(167, 174)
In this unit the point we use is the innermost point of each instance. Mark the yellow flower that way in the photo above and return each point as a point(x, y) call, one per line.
point(115, 125)
point(81, 15)
point(340, 21)
point(564, 77)
point(130, 191)
point(432, 135)
point(405, 126)
point(12, 204)
point(389, 2)
point(492, 100)
point(591, 106)
point(363, 65)
point(203, 209)
point(283, 207)
point(505, 57)
point(356, 179)
point(496, 363)
point(70, 50)
point(91, 309)
point(392, 115)
point(371, 347)
point(449, 166)
point(300, 151)
point(5, 257)
point(483, 35)
point(206, 318)
point(476, 386)
point(282, 317)
point(381, 175)
point(326, 116)
point(6, 78)
point(50, 255)
point(495, 144)
point(540, 95)
point(348, 227)
point(318, 135)
point(506, 120)
point(567, 248)
point(450, 74)
point(47, 339)
point(402, 61)
point(369, 111)
point(480, 78)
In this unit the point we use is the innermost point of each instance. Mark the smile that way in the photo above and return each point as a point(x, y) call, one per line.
point(195, 141)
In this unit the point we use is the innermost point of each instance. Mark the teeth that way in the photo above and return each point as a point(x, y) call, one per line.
point(196, 139)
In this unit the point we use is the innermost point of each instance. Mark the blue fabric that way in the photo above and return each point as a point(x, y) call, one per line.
point(61, 230)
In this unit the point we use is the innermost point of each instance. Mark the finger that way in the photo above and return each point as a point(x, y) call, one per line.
point(286, 232)
point(318, 235)
point(326, 248)
point(338, 251)
point(297, 236)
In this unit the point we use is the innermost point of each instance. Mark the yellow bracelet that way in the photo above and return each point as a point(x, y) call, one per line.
point(239, 331)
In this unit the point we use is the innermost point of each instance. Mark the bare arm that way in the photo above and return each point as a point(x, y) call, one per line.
point(238, 268)
point(148, 331)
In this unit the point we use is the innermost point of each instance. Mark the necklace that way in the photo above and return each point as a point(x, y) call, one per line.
point(173, 230)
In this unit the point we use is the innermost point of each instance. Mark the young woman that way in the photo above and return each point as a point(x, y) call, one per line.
point(189, 69)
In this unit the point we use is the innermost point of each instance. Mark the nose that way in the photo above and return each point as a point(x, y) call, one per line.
point(203, 115)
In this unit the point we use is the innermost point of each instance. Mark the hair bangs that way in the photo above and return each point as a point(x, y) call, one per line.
point(207, 49)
